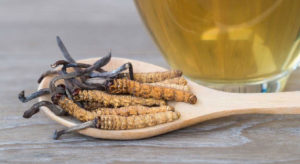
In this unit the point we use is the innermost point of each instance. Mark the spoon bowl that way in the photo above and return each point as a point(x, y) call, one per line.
point(211, 104)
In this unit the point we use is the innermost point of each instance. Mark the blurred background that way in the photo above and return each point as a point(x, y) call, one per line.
point(88, 28)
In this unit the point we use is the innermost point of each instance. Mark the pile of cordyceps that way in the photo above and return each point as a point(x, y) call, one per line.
point(110, 100)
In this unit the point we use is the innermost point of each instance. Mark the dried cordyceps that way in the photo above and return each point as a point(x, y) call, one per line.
point(85, 115)
point(115, 122)
point(152, 77)
point(148, 91)
point(174, 86)
point(99, 63)
point(114, 100)
point(132, 110)
point(176, 80)
point(87, 94)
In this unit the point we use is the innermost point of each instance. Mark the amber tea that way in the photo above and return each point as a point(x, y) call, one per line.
point(226, 41)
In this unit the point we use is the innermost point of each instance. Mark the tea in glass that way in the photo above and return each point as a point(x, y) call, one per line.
point(235, 45)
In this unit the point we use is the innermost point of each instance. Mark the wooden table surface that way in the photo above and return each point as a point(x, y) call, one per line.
point(90, 29)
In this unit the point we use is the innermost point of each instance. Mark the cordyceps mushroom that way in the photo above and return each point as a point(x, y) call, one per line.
point(123, 118)
point(116, 122)
point(118, 99)
point(109, 100)
point(152, 77)
point(84, 115)
point(125, 86)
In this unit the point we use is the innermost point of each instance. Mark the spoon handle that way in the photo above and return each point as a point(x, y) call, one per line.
point(269, 103)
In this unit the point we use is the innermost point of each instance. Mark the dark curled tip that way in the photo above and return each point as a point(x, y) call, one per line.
point(21, 96)
point(30, 112)
point(36, 108)
point(59, 62)
point(34, 95)
point(57, 134)
point(75, 128)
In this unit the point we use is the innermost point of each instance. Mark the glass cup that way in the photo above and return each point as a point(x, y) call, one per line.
point(230, 45)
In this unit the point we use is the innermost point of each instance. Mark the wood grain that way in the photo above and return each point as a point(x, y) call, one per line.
point(89, 29)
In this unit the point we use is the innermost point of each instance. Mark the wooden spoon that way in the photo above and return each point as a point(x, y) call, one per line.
point(211, 104)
